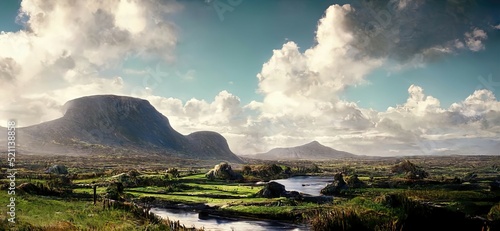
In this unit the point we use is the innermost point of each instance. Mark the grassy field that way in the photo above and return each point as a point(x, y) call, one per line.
point(53, 213)
point(456, 188)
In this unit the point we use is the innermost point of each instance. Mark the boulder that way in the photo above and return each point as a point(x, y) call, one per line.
point(223, 171)
point(57, 169)
point(292, 195)
point(336, 187)
point(355, 182)
point(495, 185)
point(272, 190)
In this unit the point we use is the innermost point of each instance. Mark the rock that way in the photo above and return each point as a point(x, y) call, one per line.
point(495, 185)
point(292, 195)
point(57, 169)
point(336, 187)
point(355, 182)
point(223, 171)
point(272, 190)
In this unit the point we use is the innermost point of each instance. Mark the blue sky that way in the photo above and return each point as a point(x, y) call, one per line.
point(228, 54)
point(350, 74)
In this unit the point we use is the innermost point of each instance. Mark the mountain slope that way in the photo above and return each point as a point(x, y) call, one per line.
point(125, 122)
point(310, 151)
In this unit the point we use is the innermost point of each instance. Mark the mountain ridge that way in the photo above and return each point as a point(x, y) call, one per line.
point(310, 151)
point(128, 123)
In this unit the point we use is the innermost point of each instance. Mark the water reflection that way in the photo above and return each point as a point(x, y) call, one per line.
point(191, 219)
point(306, 184)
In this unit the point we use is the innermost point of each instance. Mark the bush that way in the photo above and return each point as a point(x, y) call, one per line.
point(494, 213)
point(114, 191)
point(347, 219)
point(174, 172)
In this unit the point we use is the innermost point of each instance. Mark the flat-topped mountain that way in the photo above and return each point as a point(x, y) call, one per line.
point(310, 151)
point(127, 123)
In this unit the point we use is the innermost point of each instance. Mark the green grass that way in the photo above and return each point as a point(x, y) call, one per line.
point(59, 214)
point(195, 177)
point(193, 198)
point(100, 190)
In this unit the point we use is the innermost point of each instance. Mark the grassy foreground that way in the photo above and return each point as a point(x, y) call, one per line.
point(457, 194)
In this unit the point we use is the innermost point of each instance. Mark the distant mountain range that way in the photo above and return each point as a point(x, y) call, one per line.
point(123, 123)
point(310, 151)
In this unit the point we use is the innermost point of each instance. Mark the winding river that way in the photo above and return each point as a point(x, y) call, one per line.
point(304, 184)
point(190, 219)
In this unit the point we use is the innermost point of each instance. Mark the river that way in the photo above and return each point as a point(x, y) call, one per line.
point(190, 219)
point(304, 184)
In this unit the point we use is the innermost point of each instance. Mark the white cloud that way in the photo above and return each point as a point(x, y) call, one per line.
point(301, 102)
point(61, 56)
point(474, 40)
point(64, 48)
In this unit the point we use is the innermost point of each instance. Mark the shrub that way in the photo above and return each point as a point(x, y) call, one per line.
point(174, 172)
point(494, 213)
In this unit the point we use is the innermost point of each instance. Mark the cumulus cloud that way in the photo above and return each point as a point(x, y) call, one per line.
point(60, 53)
point(64, 48)
point(223, 113)
point(474, 39)
point(403, 29)
point(433, 129)
point(301, 89)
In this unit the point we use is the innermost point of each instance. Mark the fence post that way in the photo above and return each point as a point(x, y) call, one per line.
point(95, 193)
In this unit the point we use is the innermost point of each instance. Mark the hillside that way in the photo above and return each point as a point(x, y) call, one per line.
point(310, 151)
point(120, 123)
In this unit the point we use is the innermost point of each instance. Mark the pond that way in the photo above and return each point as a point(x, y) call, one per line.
point(311, 185)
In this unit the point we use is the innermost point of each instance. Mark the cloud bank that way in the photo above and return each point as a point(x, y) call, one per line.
point(76, 44)
point(65, 48)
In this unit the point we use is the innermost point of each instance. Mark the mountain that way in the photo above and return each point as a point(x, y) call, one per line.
point(125, 123)
point(310, 151)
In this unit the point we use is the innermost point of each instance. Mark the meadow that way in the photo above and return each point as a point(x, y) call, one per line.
point(456, 192)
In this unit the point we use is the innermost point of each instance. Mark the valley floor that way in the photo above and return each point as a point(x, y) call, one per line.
point(459, 192)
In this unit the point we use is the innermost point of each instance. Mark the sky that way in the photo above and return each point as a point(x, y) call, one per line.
point(389, 77)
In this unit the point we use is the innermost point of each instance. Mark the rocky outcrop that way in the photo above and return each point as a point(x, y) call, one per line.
point(223, 171)
point(272, 190)
point(57, 169)
point(336, 187)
